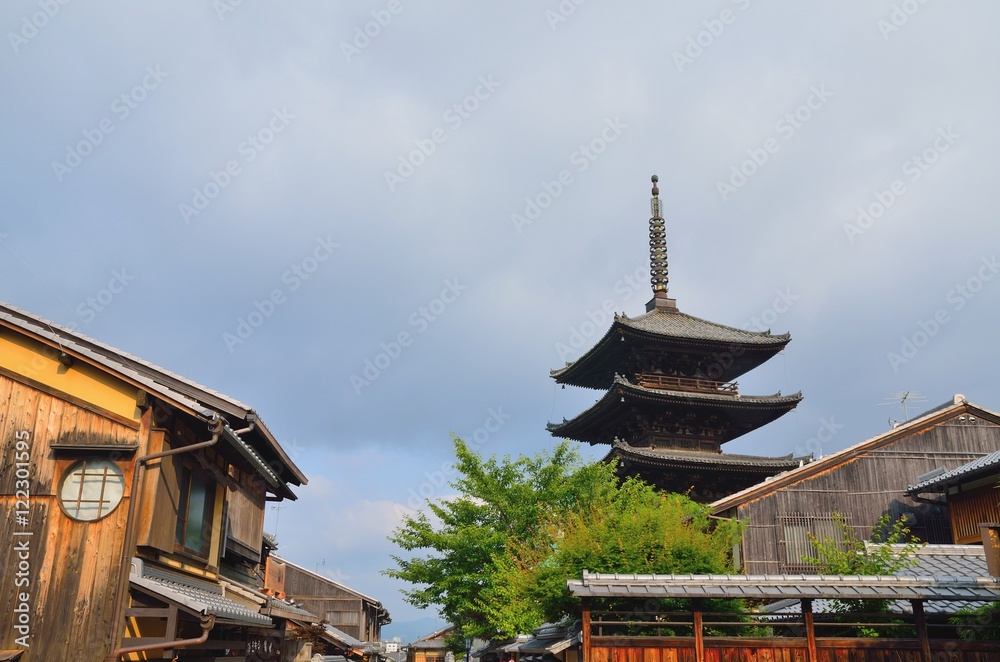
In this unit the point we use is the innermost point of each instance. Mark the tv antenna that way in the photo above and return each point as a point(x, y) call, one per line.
point(277, 511)
point(901, 398)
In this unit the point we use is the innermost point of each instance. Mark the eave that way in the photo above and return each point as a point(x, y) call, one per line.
point(623, 397)
point(746, 350)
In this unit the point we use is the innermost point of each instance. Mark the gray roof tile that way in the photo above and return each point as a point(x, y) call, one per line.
point(985, 464)
point(199, 596)
point(786, 462)
point(676, 324)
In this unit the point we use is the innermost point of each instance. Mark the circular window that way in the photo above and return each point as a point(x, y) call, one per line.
point(91, 489)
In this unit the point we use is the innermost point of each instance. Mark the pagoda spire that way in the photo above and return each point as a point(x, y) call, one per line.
point(658, 272)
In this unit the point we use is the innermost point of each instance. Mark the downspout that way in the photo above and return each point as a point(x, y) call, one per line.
point(206, 627)
point(215, 426)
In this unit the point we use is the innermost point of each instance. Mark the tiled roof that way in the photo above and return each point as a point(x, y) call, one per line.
point(946, 561)
point(623, 394)
point(195, 398)
point(790, 606)
point(843, 587)
point(342, 637)
point(986, 464)
point(665, 455)
point(501, 646)
point(201, 597)
point(934, 561)
point(673, 323)
point(552, 639)
point(699, 396)
point(284, 609)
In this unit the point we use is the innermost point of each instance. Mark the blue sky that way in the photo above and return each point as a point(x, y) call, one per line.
point(382, 223)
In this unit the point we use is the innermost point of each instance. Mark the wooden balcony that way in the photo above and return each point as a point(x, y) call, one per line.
point(670, 382)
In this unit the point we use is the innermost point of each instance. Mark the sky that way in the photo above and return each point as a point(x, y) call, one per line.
point(383, 223)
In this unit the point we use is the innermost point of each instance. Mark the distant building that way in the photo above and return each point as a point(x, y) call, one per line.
point(135, 505)
point(350, 612)
point(431, 647)
point(671, 400)
point(861, 483)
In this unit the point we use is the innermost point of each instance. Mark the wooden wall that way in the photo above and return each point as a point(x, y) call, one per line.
point(74, 566)
point(968, 509)
point(246, 511)
point(864, 488)
point(322, 597)
point(775, 649)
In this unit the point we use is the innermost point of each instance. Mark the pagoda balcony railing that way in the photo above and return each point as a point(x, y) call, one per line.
point(672, 382)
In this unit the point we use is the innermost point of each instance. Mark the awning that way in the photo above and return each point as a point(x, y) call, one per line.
point(200, 598)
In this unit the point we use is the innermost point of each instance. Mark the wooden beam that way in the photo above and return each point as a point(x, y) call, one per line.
point(807, 617)
point(699, 639)
point(585, 627)
point(171, 631)
point(147, 612)
point(921, 620)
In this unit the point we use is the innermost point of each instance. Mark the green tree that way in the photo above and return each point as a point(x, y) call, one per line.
point(500, 554)
point(633, 528)
point(500, 502)
point(851, 556)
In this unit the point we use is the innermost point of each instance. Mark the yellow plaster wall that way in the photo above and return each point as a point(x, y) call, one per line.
point(40, 362)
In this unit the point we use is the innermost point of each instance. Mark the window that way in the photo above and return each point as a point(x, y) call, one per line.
point(195, 513)
point(795, 543)
point(91, 489)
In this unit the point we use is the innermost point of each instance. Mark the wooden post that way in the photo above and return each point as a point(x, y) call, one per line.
point(921, 621)
point(699, 641)
point(585, 626)
point(807, 617)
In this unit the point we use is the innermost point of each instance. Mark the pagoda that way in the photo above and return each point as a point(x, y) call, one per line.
point(672, 400)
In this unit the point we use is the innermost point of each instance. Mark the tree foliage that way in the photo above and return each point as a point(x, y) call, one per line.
point(851, 556)
point(632, 529)
point(497, 558)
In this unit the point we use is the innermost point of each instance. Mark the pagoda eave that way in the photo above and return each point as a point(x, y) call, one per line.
point(663, 457)
point(703, 477)
point(738, 351)
point(605, 419)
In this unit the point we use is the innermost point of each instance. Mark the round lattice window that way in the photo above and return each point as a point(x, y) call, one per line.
point(91, 489)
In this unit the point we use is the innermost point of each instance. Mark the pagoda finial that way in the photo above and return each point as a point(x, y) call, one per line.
point(657, 244)
point(658, 253)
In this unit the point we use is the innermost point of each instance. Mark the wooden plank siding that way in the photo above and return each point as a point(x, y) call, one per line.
point(73, 565)
point(968, 509)
point(864, 488)
point(344, 609)
point(783, 649)
point(246, 511)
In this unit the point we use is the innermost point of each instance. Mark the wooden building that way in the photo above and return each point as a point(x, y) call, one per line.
point(430, 647)
point(971, 494)
point(861, 483)
point(355, 614)
point(671, 398)
point(136, 501)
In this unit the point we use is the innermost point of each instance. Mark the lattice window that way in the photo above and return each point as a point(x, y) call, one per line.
point(794, 542)
point(91, 489)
